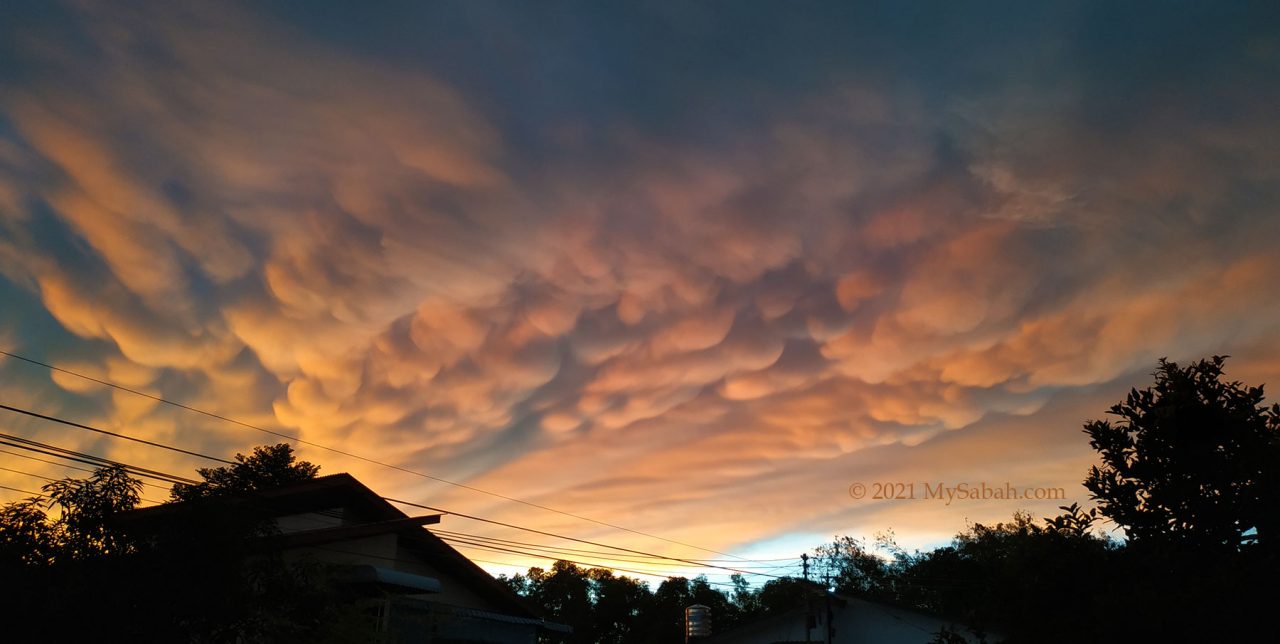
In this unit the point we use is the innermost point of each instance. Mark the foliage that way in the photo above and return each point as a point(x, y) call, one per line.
point(1032, 580)
point(197, 577)
point(780, 595)
point(89, 507)
point(617, 606)
point(267, 467)
point(82, 527)
point(27, 536)
point(1191, 462)
point(604, 607)
point(848, 566)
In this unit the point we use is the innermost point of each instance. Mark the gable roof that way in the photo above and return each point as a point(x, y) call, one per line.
point(370, 513)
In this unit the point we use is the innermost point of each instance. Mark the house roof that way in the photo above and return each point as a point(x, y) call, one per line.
point(374, 514)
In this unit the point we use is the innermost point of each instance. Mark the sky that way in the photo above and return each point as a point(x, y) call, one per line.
point(693, 269)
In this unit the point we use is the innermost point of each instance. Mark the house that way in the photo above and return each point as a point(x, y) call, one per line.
point(414, 587)
point(852, 620)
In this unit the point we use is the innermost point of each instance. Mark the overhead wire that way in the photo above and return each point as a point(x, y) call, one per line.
point(70, 466)
point(572, 552)
point(403, 502)
point(475, 542)
point(366, 459)
point(636, 572)
point(14, 489)
point(51, 479)
point(564, 553)
point(38, 447)
point(576, 551)
point(496, 544)
point(41, 460)
point(464, 543)
point(39, 476)
point(55, 419)
point(559, 536)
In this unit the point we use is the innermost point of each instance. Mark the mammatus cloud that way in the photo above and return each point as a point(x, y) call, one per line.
point(704, 338)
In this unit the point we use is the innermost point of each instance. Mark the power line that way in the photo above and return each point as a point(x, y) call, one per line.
point(88, 459)
point(71, 467)
point(504, 545)
point(474, 542)
point(463, 543)
point(559, 536)
point(359, 457)
point(132, 469)
point(613, 556)
point(39, 476)
point(409, 503)
point(545, 551)
point(51, 479)
point(548, 555)
point(41, 460)
point(14, 489)
point(589, 565)
point(507, 563)
point(116, 435)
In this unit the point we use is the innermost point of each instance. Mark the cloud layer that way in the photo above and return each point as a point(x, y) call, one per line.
point(701, 313)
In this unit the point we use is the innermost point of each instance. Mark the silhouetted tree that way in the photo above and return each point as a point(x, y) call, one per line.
point(81, 529)
point(564, 594)
point(27, 537)
point(618, 604)
point(1192, 460)
point(85, 573)
point(1190, 471)
point(70, 562)
point(604, 607)
point(745, 600)
point(1032, 581)
point(780, 595)
point(267, 467)
point(723, 613)
point(853, 569)
point(89, 508)
point(664, 617)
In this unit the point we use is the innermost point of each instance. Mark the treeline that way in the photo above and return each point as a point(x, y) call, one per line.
point(1189, 469)
point(1015, 578)
point(1024, 580)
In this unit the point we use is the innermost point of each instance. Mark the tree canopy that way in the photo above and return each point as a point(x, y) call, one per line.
point(196, 579)
point(267, 467)
point(82, 527)
point(1192, 460)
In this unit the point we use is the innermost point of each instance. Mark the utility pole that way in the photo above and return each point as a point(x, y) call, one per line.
point(808, 598)
point(826, 593)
